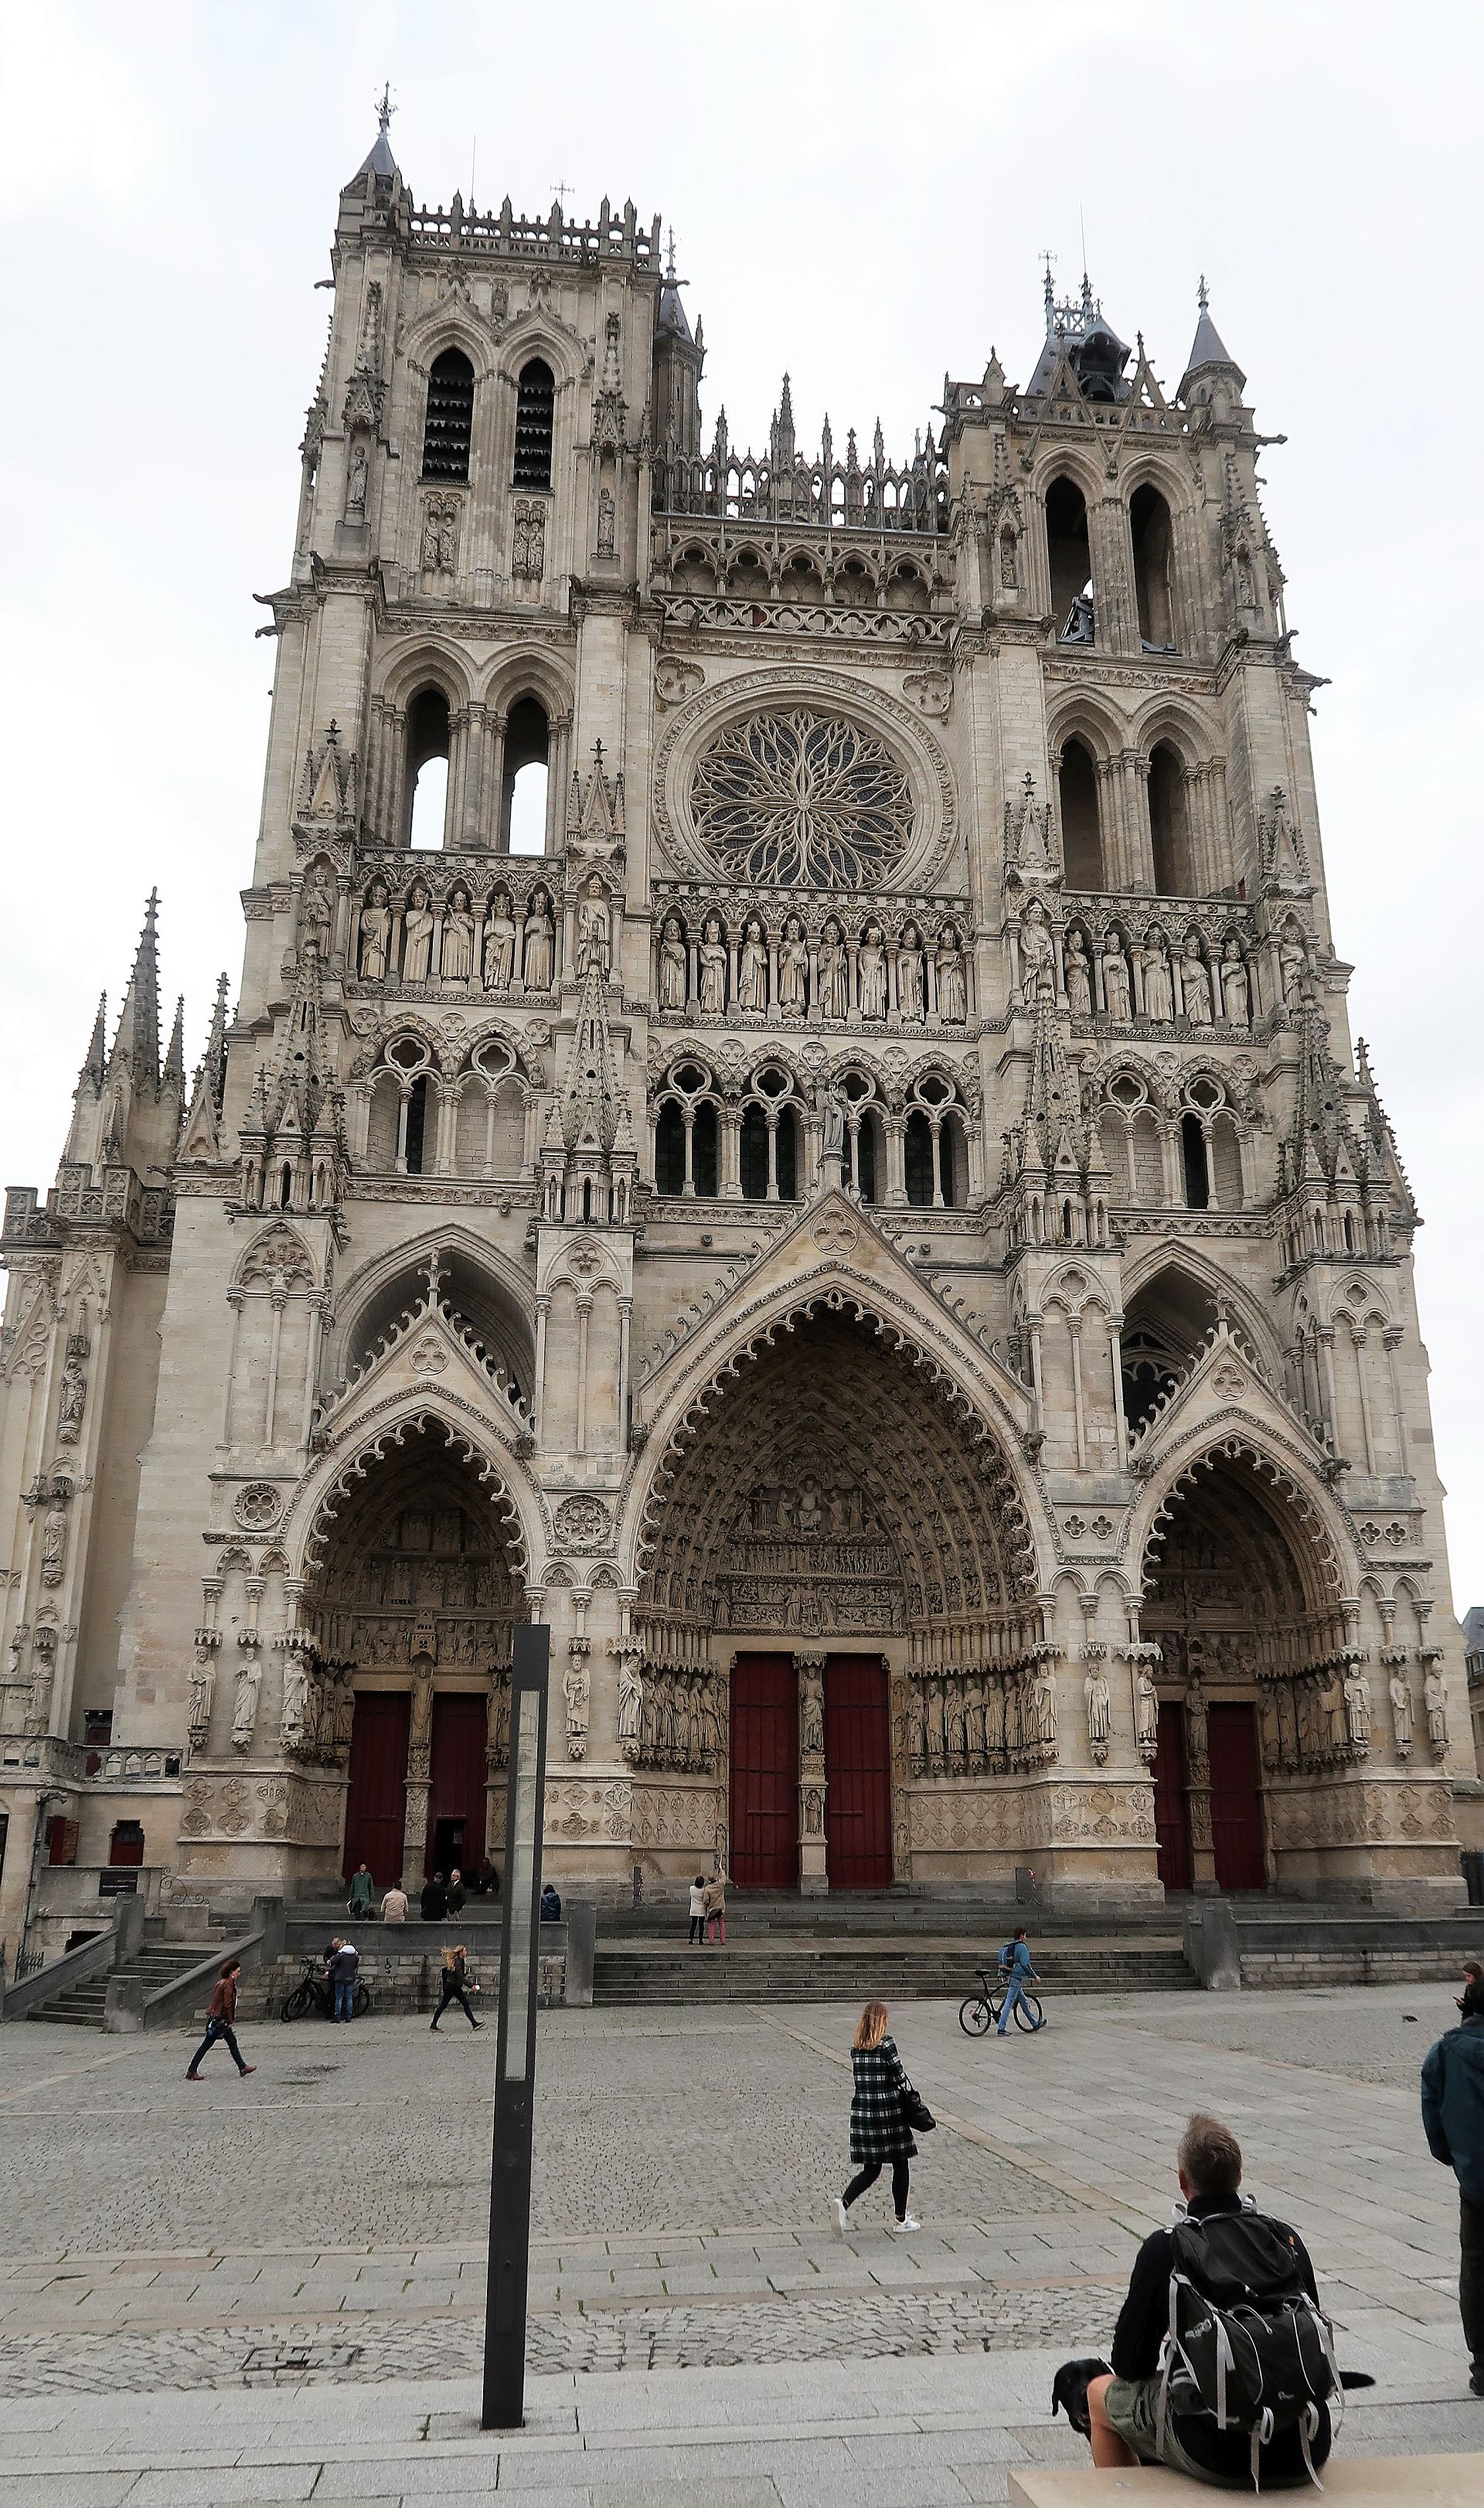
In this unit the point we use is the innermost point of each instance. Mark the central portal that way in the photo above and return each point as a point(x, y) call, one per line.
point(776, 1807)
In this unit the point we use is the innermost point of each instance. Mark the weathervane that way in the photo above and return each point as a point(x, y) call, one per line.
point(385, 110)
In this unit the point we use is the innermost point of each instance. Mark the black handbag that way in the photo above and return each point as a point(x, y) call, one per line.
point(916, 2111)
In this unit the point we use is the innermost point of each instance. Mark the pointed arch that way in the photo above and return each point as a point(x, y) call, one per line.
point(326, 1493)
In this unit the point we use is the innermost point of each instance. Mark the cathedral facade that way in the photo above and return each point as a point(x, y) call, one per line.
point(859, 1208)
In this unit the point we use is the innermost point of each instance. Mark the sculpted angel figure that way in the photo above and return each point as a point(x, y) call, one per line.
point(1077, 970)
point(753, 969)
point(952, 984)
point(376, 932)
point(713, 967)
point(1195, 984)
point(870, 970)
point(673, 972)
point(793, 970)
point(1159, 992)
point(1115, 980)
point(909, 973)
point(458, 936)
point(834, 973)
point(418, 936)
point(536, 962)
point(499, 944)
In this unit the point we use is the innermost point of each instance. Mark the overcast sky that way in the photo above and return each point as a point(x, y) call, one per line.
point(858, 194)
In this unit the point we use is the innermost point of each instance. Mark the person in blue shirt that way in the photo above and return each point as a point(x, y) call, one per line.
point(1016, 1973)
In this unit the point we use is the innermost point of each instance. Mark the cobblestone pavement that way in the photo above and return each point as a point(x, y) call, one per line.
point(265, 2231)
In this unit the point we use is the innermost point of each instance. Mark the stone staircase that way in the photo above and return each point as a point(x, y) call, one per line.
point(156, 1965)
point(781, 1969)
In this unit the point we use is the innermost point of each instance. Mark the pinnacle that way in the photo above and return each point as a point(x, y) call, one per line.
point(138, 1032)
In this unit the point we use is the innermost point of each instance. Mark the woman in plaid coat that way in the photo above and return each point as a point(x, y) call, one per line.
point(879, 2130)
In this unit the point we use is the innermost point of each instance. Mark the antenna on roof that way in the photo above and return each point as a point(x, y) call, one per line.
point(560, 191)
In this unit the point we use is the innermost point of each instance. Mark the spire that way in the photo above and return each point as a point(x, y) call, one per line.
point(174, 1073)
point(95, 1061)
point(137, 1040)
point(1207, 348)
point(380, 162)
point(200, 1131)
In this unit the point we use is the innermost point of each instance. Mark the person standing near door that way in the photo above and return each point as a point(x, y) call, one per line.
point(879, 2127)
point(220, 2011)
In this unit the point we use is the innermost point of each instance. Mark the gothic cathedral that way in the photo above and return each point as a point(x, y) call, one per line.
point(790, 1114)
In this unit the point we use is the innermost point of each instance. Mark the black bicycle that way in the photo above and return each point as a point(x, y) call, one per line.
point(314, 1994)
point(981, 2012)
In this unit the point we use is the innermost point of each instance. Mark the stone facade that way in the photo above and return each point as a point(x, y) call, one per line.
point(882, 1200)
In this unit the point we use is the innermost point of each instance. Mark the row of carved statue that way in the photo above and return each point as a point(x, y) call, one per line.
point(1119, 979)
point(835, 974)
point(423, 941)
point(1325, 1717)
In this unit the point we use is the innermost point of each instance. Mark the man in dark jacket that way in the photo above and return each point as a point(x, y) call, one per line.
point(435, 1900)
point(1124, 2409)
point(1453, 2120)
point(343, 1968)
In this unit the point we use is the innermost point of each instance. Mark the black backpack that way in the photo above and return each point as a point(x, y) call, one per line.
point(1247, 2346)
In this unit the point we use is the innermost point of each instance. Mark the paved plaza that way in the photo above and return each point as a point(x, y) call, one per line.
point(284, 2275)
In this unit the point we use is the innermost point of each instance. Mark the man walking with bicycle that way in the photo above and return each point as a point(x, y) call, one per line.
point(1015, 1975)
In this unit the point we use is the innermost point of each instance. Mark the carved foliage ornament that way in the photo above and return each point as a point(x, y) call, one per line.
point(802, 800)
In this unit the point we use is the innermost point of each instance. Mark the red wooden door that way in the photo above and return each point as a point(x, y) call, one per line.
point(765, 1773)
point(456, 1791)
point(376, 1810)
point(857, 1764)
point(1171, 1811)
point(1236, 1809)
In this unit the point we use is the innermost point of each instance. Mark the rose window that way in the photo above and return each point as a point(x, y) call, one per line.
point(802, 800)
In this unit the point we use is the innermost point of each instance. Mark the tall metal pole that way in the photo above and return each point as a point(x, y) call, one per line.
point(515, 2066)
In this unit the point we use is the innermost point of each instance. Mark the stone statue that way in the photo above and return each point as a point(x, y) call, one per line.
point(595, 930)
point(1332, 1708)
point(973, 1717)
point(673, 972)
point(1043, 1706)
point(420, 1721)
point(1435, 1700)
point(909, 973)
point(74, 1396)
point(1197, 1737)
point(576, 1690)
point(355, 490)
point(1116, 999)
point(1236, 991)
point(1036, 954)
point(203, 1692)
point(793, 971)
point(296, 1700)
point(418, 936)
point(831, 1105)
point(376, 932)
point(1293, 963)
point(1100, 1707)
point(499, 944)
point(54, 1547)
point(812, 1715)
point(1357, 1708)
point(537, 960)
point(317, 912)
point(953, 983)
point(937, 1728)
point(712, 984)
point(871, 973)
point(631, 1696)
point(1079, 974)
point(244, 1702)
point(1400, 1689)
point(1195, 984)
point(605, 518)
point(834, 973)
point(1145, 1710)
point(916, 1724)
point(458, 936)
point(753, 969)
point(1159, 992)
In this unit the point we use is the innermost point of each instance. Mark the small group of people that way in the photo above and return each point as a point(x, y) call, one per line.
point(343, 1965)
point(709, 1908)
point(438, 1901)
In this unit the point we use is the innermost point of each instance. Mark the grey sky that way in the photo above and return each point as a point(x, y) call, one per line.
point(861, 195)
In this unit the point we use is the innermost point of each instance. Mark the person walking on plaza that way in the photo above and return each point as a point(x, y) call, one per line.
point(1016, 1973)
point(1473, 1975)
point(881, 2128)
point(394, 1905)
point(456, 1986)
point(341, 1969)
point(697, 1909)
point(435, 1900)
point(714, 1902)
point(1453, 2120)
point(220, 2011)
point(363, 1891)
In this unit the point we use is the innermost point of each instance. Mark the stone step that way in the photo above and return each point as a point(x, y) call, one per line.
point(748, 1972)
point(82, 2006)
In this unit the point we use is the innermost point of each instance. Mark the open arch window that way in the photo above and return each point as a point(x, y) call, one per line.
point(768, 1155)
point(1081, 821)
point(1153, 583)
point(1170, 824)
point(524, 799)
point(535, 406)
point(1196, 1165)
point(449, 422)
point(1068, 553)
point(1165, 1323)
point(428, 734)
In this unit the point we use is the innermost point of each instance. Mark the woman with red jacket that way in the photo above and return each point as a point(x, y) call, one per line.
point(220, 2011)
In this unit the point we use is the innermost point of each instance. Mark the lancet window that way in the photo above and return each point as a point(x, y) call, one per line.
point(449, 422)
point(535, 405)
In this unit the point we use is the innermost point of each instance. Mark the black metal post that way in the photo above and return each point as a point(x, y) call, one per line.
point(515, 2070)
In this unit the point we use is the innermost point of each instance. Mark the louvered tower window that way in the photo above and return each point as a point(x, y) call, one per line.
point(536, 397)
point(450, 417)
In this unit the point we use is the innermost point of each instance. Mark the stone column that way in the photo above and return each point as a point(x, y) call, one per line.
point(419, 1778)
point(813, 1877)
